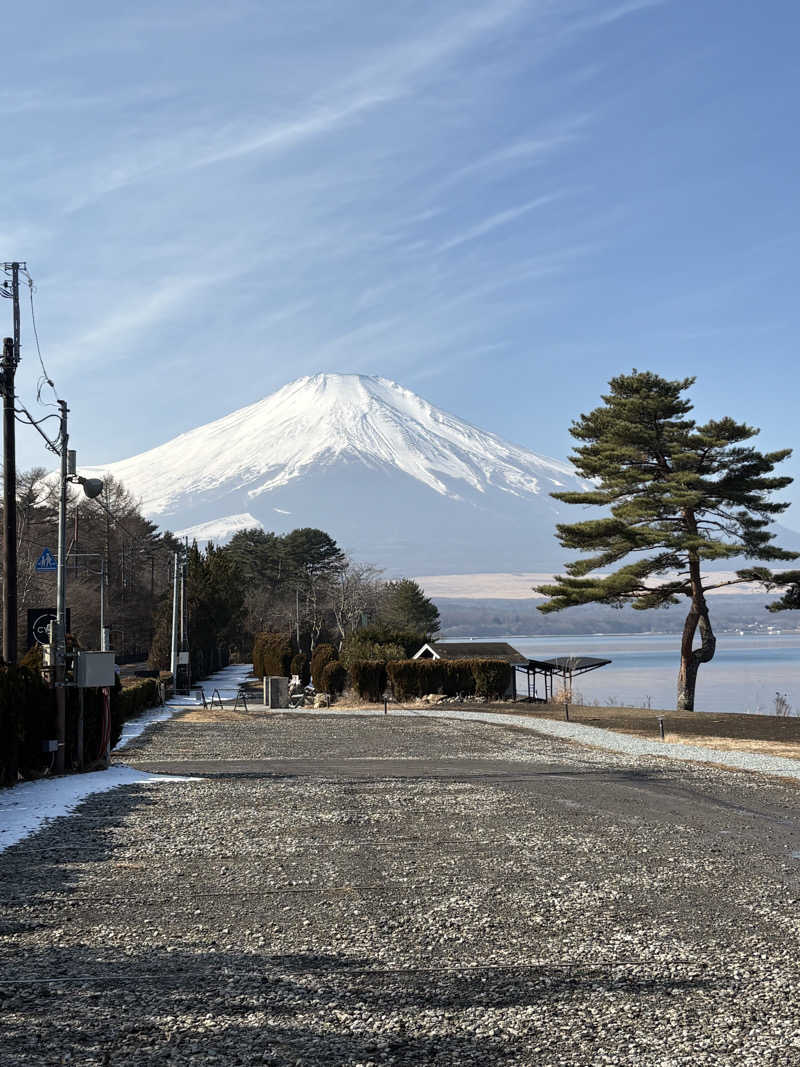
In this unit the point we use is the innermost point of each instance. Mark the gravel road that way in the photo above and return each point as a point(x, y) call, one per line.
point(349, 890)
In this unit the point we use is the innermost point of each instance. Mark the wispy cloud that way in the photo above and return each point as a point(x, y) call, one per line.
point(122, 326)
point(494, 222)
point(525, 151)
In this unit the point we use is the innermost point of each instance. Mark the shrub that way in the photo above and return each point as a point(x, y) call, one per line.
point(368, 678)
point(412, 678)
point(360, 647)
point(333, 678)
point(492, 678)
point(322, 655)
point(299, 667)
point(272, 655)
point(458, 679)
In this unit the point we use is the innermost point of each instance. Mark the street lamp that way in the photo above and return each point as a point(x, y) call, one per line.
point(92, 487)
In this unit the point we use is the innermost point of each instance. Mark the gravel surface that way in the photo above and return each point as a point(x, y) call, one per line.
point(368, 890)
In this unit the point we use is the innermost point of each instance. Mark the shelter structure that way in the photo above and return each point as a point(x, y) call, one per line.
point(564, 667)
point(532, 679)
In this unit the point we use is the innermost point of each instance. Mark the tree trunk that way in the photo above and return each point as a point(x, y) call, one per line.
point(691, 657)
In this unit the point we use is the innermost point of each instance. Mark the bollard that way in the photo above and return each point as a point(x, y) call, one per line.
point(661, 727)
point(385, 706)
point(566, 712)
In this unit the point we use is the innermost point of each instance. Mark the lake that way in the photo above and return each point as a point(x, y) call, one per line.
point(744, 676)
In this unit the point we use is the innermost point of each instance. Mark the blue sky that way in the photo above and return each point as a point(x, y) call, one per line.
point(498, 203)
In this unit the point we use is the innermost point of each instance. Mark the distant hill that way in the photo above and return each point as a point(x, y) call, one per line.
point(471, 617)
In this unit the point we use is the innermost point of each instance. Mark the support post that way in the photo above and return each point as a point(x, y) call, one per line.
point(61, 591)
point(9, 503)
point(80, 728)
point(174, 645)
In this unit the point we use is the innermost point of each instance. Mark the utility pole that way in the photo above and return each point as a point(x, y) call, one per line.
point(9, 369)
point(61, 595)
point(173, 666)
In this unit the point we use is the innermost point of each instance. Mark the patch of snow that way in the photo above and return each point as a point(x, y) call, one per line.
point(27, 807)
point(219, 530)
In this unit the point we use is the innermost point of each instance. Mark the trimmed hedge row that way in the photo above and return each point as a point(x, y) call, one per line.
point(412, 678)
point(28, 717)
point(272, 655)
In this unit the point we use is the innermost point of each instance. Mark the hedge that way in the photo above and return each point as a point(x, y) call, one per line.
point(368, 678)
point(411, 678)
point(28, 717)
point(299, 666)
point(272, 655)
point(333, 678)
point(492, 678)
point(320, 657)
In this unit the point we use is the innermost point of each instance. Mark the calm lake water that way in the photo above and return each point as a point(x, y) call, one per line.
point(744, 675)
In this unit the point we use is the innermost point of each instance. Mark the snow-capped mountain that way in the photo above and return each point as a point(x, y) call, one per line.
point(397, 481)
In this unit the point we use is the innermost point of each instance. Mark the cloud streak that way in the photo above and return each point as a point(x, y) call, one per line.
point(494, 222)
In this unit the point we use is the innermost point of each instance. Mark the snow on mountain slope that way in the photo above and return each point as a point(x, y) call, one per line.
point(393, 478)
point(218, 530)
point(313, 422)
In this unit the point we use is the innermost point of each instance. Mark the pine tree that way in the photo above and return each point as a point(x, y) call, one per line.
point(676, 496)
point(404, 606)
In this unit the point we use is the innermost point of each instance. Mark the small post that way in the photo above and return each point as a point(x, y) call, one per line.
point(385, 706)
point(661, 727)
point(80, 728)
point(566, 711)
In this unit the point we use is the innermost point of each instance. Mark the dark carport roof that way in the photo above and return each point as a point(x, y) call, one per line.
point(568, 664)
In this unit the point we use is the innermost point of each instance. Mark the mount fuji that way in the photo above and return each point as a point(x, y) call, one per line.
point(396, 481)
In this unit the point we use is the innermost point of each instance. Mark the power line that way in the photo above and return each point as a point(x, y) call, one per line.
point(45, 379)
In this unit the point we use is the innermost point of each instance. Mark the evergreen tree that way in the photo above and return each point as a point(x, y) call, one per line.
point(676, 495)
point(404, 606)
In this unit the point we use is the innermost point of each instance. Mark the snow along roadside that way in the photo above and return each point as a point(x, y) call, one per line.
point(227, 681)
point(26, 807)
point(627, 744)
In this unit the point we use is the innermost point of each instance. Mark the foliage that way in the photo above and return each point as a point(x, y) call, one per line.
point(358, 647)
point(137, 561)
point(676, 495)
point(300, 667)
point(492, 678)
point(368, 678)
point(322, 656)
point(272, 655)
point(404, 606)
point(27, 717)
point(333, 678)
point(413, 678)
point(215, 606)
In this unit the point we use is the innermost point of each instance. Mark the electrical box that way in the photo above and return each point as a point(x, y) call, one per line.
point(183, 659)
point(93, 669)
point(276, 692)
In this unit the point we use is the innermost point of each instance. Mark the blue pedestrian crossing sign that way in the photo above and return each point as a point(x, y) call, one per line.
point(46, 562)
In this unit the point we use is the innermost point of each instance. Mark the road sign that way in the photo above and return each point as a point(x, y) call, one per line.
point(39, 620)
point(46, 562)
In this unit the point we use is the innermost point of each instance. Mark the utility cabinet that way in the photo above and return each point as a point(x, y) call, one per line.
point(276, 692)
point(94, 669)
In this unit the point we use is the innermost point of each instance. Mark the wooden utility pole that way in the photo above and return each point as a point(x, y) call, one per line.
point(9, 368)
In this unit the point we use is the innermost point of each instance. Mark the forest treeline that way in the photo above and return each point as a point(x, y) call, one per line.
point(301, 584)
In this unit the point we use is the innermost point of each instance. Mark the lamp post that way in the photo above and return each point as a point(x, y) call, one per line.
point(92, 487)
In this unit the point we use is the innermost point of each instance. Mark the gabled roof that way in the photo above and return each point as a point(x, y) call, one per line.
point(473, 650)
